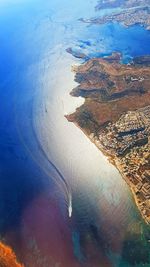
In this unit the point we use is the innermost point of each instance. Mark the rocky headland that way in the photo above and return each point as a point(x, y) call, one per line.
point(116, 117)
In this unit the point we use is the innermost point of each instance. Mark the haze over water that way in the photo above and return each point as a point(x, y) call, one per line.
point(36, 139)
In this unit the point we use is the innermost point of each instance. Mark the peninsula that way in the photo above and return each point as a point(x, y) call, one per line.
point(132, 12)
point(129, 17)
point(116, 117)
point(121, 3)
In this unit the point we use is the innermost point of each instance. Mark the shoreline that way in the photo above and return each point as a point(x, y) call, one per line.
point(121, 130)
point(112, 161)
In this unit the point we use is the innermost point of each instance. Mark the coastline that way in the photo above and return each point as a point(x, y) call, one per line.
point(113, 162)
point(116, 119)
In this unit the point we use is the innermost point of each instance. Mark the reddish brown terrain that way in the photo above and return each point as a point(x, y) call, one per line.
point(7, 257)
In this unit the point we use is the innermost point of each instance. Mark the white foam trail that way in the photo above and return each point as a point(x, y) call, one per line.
point(70, 206)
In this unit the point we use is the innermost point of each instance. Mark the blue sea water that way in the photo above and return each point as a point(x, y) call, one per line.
point(101, 40)
point(30, 34)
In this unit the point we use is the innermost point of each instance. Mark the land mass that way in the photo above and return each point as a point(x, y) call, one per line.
point(116, 117)
point(121, 3)
point(130, 17)
point(133, 12)
point(8, 257)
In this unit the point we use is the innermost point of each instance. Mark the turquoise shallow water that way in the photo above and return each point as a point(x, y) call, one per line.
point(35, 81)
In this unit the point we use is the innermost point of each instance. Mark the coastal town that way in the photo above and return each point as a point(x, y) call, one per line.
point(121, 3)
point(130, 13)
point(130, 17)
point(123, 135)
point(128, 143)
point(116, 117)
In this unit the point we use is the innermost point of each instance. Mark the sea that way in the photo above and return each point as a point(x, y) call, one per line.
point(62, 203)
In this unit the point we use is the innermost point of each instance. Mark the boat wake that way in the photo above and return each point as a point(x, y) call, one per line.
point(51, 171)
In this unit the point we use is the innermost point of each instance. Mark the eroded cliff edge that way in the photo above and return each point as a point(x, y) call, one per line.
point(116, 117)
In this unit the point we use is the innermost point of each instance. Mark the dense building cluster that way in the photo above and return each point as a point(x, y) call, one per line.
point(128, 141)
point(121, 3)
point(129, 131)
point(116, 117)
point(128, 17)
